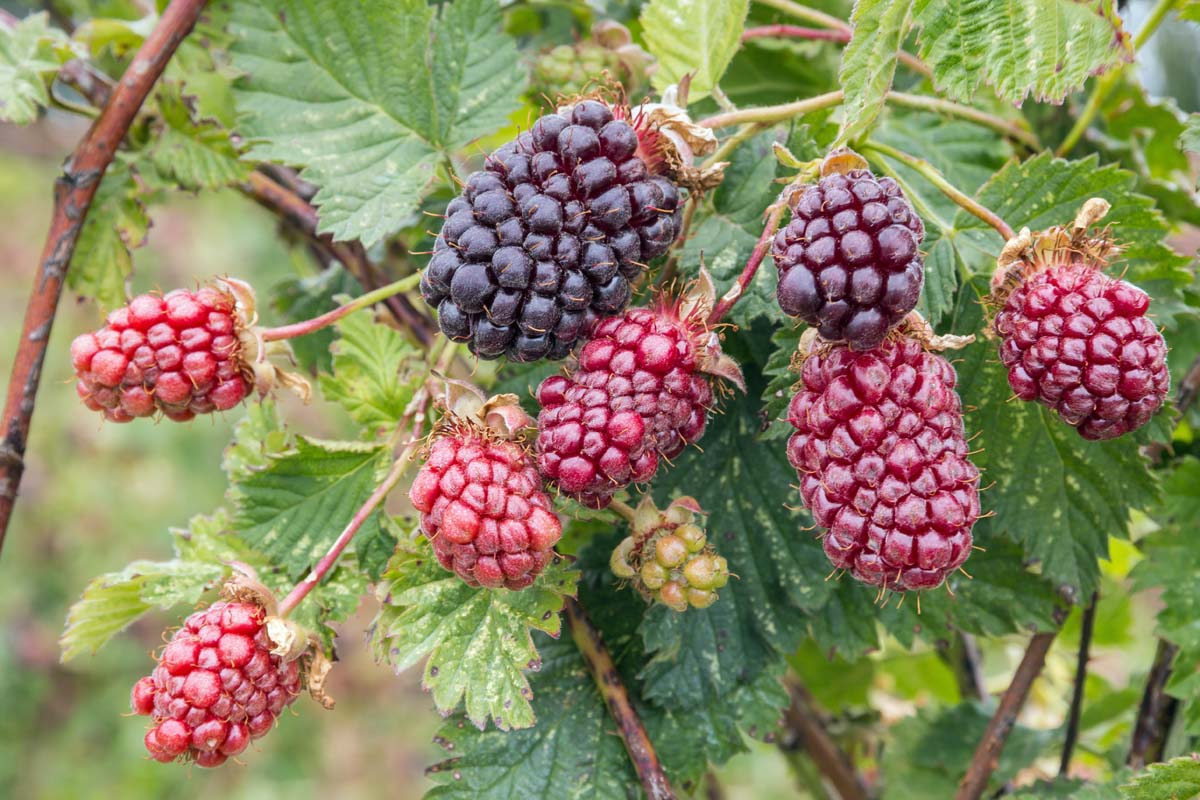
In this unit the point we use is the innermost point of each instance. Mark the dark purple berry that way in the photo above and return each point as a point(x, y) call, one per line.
point(548, 237)
point(848, 260)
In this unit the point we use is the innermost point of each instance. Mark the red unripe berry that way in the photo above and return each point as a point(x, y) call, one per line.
point(1079, 342)
point(883, 462)
point(176, 354)
point(483, 508)
point(216, 686)
point(637, 394)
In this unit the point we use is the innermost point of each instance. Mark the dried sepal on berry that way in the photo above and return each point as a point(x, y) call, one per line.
point(1073, 338)
point(667, 557)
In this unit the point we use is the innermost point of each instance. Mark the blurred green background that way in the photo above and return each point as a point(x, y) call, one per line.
point(98, 496)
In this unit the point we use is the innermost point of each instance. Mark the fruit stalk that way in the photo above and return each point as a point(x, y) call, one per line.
point(1156, 712)
point(301, 215)
point(805, 729)
point(1086, 627)
point(416, 412)
point(328, 318)
point(74, 191)
point(987, 754)
point(608, 681)
point(795, 32)
point(738, 290)
point(931, 174)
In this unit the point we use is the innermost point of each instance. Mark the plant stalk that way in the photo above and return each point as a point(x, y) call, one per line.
point(805, 729)
point(1087, 627)
point(931, 174)
point(1156, 712)
point(608, 681)
point(738, 290)
point(987, 754)
point(74, 191)
point(415, 412)
point(328, 318)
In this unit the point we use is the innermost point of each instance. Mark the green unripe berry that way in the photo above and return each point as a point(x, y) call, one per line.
point(654, 575)
point(720, 572)
point(670, 551)
point(701, 572)
point(673, 596)
point(692, 536)
point(678, 515)
point(700, 598)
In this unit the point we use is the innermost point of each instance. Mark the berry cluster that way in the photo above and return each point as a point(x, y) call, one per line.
point(216, 687)
point(546, 239)
point(482, 506)
point(178, 354)
point(609, 53)
point(848, 260)
point(882, 458)
point(1079, 341)
point(668, 557)
point(637, 395)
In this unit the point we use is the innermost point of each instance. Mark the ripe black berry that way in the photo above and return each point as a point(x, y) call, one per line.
point(848, 260)
point(547, 237)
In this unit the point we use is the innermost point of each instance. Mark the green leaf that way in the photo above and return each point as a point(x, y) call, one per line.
point(1046, 48)
point(869, 61)
point(30, 51)
point(374, 375)
point(1190, 138)
point(369, 96)
point(573, 752)
point(257, 437)
point(1177, 779)
point(116, 223)
point(699, 39)
point(193, 152)
point(477, 640)
point(1066, 789)
point(295, 507)
point(114, 600)
point(930, 752)
point(1056, 493)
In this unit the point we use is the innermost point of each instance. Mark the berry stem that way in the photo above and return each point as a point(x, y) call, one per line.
point(795, 32)
point(1017, 131)
point(608, 681)
point(1156, 712)
point(804, 728)
point(987, 754)
point(325, 320)
point(1107, 82)
point(415, 413)
point(738, 290)
point(624, 510)
point(301, 215)
point(74, 191)
point(777, 113)
point(934, 176)
point(1086, 627)
point(842, 29)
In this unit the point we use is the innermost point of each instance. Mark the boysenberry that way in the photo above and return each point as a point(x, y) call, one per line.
point(848, 259)
point(882, 459)
point(216, 687)
point(549, 235)
point(178, 354)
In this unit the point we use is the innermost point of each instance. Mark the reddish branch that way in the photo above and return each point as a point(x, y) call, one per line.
point(804, 728)
point(73, 194)
point(739, 288)
point(608, 681)
point(301, 215)
point(795, 32)
point(1087, 626)
point(1156, 713)
point(987, 754)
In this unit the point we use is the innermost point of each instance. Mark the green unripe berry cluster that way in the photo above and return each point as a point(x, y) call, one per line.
point(668, 558)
